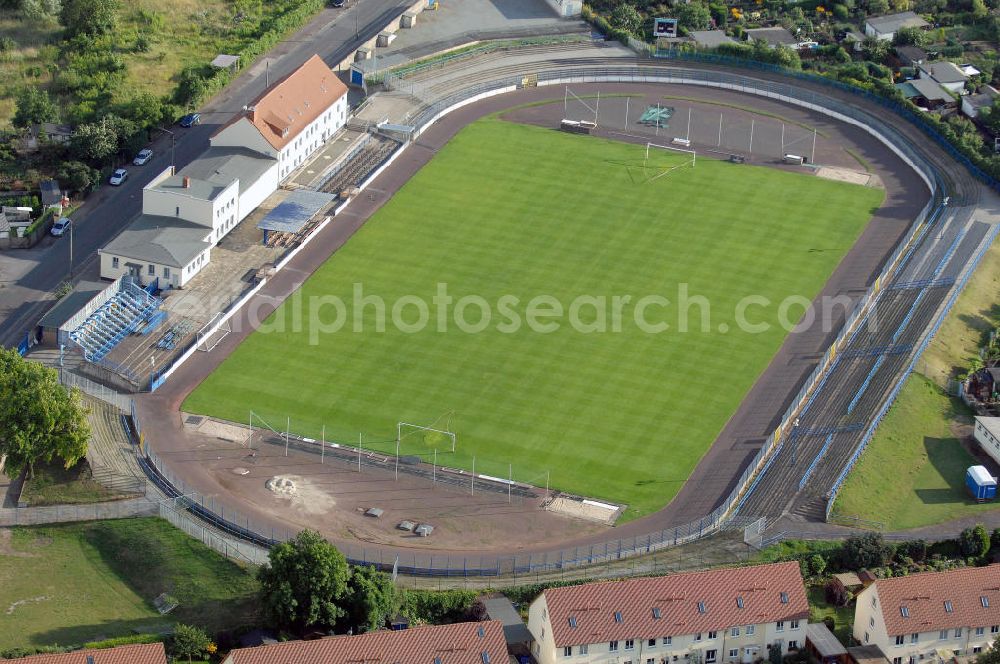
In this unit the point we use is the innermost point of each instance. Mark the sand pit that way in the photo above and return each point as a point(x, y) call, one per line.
point(590, 510)
point(303, 494)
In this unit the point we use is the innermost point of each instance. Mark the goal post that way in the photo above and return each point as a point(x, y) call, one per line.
point(404, 429)
point(690, 158)
point(213, 332)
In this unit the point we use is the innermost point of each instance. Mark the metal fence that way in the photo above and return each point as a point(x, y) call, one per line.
point(106, 394)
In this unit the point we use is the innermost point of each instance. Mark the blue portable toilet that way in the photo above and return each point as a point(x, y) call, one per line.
point(980, 483)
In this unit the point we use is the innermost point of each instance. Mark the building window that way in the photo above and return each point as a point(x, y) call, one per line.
point(958, 632)
point(899, 640)
point(780, 626)
point(629, 644)
point(914, 638)
point(114, 262)
point(735, 631)
point(166, 273)
point(866, 637)
point(995, 629)
point(583, 649)
point(711, 656)
point(795, 624)
point(650, 660)
point(613, 646)
point(943, 634)
point(651, 643)
point(871, 621)
point(152, 270)
point(713, 635)
point(980, 631)
point(977, 650)
point(793, 645)
point(567, 651)
point(697, 637)
point(897, 660)
point(734, 653)
point(667, 640)
point(750, 629)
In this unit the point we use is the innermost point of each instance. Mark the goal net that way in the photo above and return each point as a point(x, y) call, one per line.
point(753, 534)
point(662, 160)
point(212, 333)
point(424, 439)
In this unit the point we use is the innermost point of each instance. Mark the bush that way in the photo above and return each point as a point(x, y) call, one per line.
point(436, 608)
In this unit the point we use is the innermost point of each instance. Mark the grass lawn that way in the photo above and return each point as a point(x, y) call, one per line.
point(55, 485)
point(917, 441)
point(514, 210)
point(64, 585)
point(819, 609)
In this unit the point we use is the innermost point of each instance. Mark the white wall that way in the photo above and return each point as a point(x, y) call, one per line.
point(169, 276)
point(986, 440)
point(243, 134)
point(258, 192)
point(172, 203)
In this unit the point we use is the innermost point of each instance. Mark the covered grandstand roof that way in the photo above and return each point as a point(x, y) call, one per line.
point(290, 215)
point(161, 240)
point(76, 299)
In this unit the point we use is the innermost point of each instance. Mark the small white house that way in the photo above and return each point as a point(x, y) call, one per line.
point(885, 27)
point(946, 74)
point(972, 104)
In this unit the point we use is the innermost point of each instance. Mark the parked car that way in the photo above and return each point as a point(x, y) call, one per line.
point(61, 226)
point(119, 176)
point(190, 120)
point(336, 3)
point(143, 157)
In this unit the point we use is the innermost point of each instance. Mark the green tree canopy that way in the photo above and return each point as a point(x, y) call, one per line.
point(95, 141)
point(92, 18)
point(910, 36)
point(626, 17)
point(304, 582)
point(371, 598)
point(33, 107)
point(77, 176)
point(975, 541)
point(991, 656)
point(40, 420)
point(868, 550)
point(189, 642)
point(693, 16)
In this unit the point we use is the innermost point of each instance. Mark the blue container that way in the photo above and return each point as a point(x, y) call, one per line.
point(980, 483)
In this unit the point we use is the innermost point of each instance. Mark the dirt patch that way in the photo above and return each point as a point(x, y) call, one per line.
point(21, 602)
point(849, 176)
point(588, 510)
point(302, 493)
point(7, 546)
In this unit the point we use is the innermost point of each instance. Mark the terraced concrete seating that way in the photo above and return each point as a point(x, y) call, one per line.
point(110, 454)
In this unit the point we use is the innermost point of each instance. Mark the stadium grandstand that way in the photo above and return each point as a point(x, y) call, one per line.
point(128, 307)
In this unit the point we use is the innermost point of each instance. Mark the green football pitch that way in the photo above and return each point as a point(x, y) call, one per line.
point(621, 412)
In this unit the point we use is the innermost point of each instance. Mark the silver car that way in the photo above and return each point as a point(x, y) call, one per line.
point(143, 157)
point(118, 177)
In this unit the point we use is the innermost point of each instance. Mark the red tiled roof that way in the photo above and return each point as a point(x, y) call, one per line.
point(147, 653)
point(288, 106)
point(451, 644)
point(924, 597)
point(686, 603)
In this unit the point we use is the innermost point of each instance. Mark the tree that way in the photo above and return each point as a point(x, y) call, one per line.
point(910, 36)
point(995, 540)
point(875, 49)
point(979, 10)
point(95, 141)
point(33, 107)
point(817, 565)
point(868, 550)
point(991, 656)
point(40, 420)
point(303, 582)
point(975, 541)
point(774, 653)
point(189, 641)
point(371, 598)
point(626, 17)
point(876, 7)
point(77, 176)
point(38, 10)
point(693, 16)
point(92, 18)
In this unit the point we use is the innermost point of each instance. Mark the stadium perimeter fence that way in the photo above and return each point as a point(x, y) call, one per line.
point(240, 526)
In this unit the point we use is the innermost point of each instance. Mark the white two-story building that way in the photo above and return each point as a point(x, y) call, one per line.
point(292, 119)
point(933, 616)
point(723, 615)
point(185, 214)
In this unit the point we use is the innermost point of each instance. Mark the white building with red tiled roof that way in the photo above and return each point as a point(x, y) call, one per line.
point(147, 653)
point(461, 643)
point(933, 616)
point(292, 119)
point(723, 615)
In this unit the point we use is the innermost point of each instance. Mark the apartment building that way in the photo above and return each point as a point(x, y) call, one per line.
point(933, 616)
point(712, 617)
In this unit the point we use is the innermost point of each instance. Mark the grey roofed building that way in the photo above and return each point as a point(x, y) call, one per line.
point(216, 168)
point(972, 104)
point(773, 36)
point(911, 55)
point(71, 303)
point(161, 240)
point(51, 193)
point(890, 24)
point(944, 72)
point(710, 38)
point(927, 88)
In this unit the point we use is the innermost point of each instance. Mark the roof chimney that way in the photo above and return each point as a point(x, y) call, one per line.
point(187, 182)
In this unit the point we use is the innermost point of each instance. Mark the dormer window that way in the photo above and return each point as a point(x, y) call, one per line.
point(656, 613)
point(739, 601)
point(904, 611)
point(701, 607)
point(985, 601)
point(572, 622)
point(948, 606)
point(618, 616)
point(784, 598)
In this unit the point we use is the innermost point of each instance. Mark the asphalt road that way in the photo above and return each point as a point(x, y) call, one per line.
point(27, 278)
